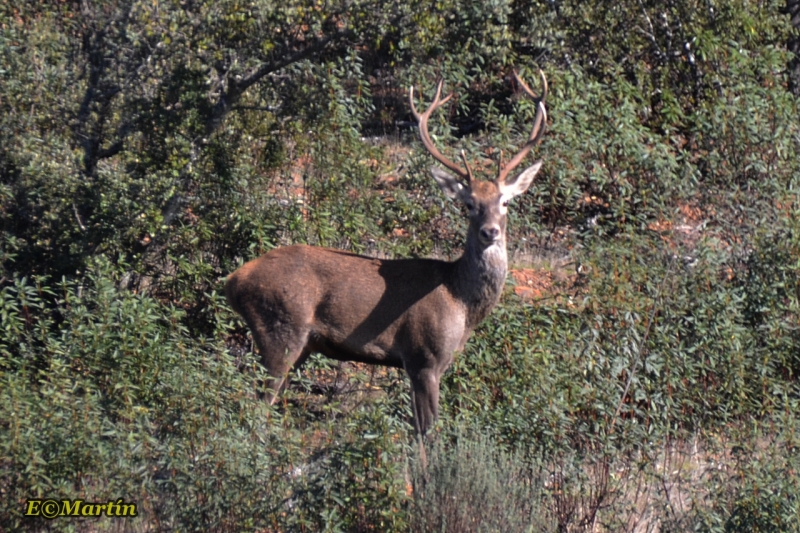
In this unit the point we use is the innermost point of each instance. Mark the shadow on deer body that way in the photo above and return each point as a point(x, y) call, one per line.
point(405, 313)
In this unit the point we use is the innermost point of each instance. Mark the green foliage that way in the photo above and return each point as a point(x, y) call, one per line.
point(472, 485)
point(106, 396)
point(768, 498)
point(686, 331)
point(148, 148)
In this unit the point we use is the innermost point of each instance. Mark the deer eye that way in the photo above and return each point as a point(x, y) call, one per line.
point(470, 204)
point(505, 203)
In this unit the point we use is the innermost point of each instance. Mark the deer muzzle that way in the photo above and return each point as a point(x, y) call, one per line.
point(490, 234)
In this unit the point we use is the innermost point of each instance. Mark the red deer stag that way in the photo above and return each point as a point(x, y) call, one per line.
point(404, 313)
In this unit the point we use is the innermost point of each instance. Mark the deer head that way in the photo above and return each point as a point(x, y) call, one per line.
point(486, 201)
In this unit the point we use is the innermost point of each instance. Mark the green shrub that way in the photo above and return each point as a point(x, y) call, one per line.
point(472, 485)
point(107, 397)
point(148, 149)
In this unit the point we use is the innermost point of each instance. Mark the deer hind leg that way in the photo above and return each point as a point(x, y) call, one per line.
point(282, 348)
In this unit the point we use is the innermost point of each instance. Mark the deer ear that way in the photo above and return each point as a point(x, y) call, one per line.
point(516, 186)
point(449, 184)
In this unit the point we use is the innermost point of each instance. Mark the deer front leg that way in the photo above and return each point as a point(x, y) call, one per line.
point(425, 406)
point(424, 399)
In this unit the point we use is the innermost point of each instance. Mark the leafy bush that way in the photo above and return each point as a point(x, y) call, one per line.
point(472, 485)
point(148, 149)
point(106, 396)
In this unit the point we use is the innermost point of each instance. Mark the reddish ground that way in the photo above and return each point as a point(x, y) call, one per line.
point(531, 284)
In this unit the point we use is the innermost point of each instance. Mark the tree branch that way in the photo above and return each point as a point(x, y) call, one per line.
point(229, 98)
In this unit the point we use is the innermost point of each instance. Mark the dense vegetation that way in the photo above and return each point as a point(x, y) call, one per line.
point(149, 148)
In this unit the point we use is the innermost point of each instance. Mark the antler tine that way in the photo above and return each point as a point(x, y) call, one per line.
point(528, 90)
point(539, 126)
point(424, 135)
point(466, 165)
point(434, 105)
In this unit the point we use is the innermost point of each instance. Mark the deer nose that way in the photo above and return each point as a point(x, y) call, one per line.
point(490, 233)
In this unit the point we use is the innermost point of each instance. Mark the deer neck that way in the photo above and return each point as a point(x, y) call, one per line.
point(480, 276)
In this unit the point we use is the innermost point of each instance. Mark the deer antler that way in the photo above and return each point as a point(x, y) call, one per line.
point(425, 137)
point(539, 125)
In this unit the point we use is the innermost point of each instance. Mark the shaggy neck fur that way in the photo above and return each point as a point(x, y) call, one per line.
point(481, 273)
